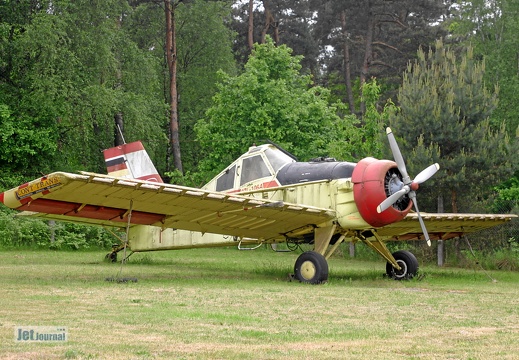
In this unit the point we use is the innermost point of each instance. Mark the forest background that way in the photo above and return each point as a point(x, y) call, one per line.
point(200, 81)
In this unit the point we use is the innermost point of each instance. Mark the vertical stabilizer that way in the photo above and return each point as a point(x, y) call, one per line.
point(130, 161)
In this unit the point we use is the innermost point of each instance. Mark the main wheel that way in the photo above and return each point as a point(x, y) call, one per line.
point(311, 267)
point(408, 264)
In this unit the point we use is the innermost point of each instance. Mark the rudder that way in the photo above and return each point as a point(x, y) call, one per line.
point(131, 161)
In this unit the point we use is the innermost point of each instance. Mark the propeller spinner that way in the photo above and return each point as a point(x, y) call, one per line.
point(406, 186)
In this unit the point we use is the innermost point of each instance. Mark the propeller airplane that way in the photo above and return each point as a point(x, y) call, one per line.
point(263, 197)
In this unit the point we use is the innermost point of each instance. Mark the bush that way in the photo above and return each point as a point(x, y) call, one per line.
point(19, 231)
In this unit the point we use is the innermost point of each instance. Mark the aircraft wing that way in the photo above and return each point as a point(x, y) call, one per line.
point(104, 200)
point(441, 226)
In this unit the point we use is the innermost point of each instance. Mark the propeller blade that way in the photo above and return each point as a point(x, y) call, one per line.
point(425, 174)
point(412, 195)
point(409, 186)
point(392, 199)
point(397, 155)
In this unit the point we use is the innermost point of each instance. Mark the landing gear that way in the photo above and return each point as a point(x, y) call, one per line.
point(311, 267)
point(408, 265)
point(112, 256)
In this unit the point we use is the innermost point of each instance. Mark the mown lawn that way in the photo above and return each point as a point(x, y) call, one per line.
point(227, 304)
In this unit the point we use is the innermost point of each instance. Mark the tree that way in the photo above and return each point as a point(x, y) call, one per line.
point(366, 140)
point(288, 22)
point(28, 92)
point(270, 100)
point(507, 199)
point(69, 68)
point(491, 27)
point(445, 109)
point(172, 59)
point(371, 38)
point(204, 47)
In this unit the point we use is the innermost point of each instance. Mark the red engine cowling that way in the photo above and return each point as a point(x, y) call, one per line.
point(369, 191)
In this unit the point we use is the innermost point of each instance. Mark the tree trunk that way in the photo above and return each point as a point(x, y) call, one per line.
point(171, 56)
point(454, 201)
point(250, 32)
point(441, 245)
point(269, 22)
point(368, 53)
point(347, 72)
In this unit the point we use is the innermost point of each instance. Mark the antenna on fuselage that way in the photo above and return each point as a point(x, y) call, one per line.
point(121, 133)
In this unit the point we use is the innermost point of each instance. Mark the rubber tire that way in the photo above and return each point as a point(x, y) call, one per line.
point(407, 262)
point(311, 268)
point(112, 256)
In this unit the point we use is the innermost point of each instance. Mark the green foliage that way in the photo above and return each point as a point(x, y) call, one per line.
point(445, 118)
point(21, 141)
point(507, 199)
point(366, 138)
point(22, 232)
point(491, 27)
point(70, 68)
point(373, 121)
point(68, 236)
point(204, 45)
point(270, 100)
point(16, 232)
point(185, 179)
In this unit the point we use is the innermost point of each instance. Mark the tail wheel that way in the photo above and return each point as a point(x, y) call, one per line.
point(112, 257)
point(311, 267)
point(408, 265)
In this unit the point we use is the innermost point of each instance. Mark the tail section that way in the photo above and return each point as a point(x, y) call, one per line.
point(131, 161)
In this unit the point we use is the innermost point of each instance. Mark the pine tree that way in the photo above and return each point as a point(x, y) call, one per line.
point(445, 109)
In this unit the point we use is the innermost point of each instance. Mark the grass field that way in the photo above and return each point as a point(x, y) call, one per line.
point(227, 304)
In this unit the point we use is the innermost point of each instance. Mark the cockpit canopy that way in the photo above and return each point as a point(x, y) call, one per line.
point(256, 167)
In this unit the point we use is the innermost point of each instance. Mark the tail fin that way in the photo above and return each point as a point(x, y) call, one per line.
point(131, 161)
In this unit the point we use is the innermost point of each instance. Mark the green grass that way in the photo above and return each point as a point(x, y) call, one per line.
point(227, 304)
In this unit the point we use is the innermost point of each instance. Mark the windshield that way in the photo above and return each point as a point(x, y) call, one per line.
point(253, 168)
point(277, 158)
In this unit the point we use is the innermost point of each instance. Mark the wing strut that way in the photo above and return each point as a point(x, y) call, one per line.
point(128, 223)
point(124, 246)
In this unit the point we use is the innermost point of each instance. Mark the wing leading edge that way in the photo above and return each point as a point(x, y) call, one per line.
point(100, 199)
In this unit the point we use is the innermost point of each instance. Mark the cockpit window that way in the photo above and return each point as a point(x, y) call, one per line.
point(253, 168)
point(277, 158)
point(226, 180)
